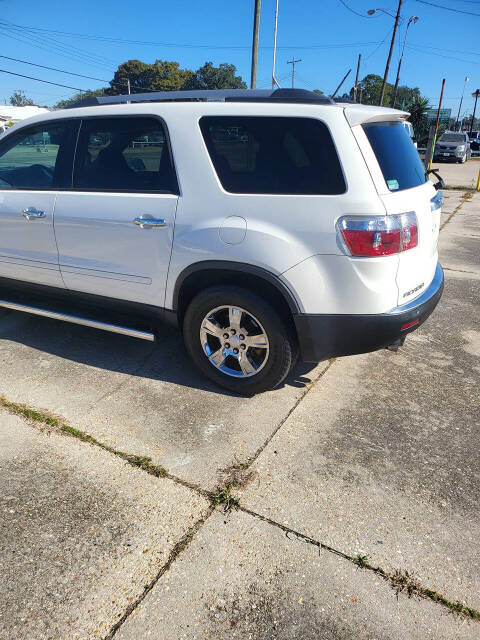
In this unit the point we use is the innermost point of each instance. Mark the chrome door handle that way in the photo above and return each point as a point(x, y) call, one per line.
point(150, 222)
point(31, 212)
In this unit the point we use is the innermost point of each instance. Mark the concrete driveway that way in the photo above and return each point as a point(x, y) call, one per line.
point(459, 175)
point(139, 501)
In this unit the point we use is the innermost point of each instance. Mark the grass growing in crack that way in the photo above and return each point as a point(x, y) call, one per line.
point(457, 187)
point(405, 582)
point(141, 462)
point(29, 414)
point(225, 497)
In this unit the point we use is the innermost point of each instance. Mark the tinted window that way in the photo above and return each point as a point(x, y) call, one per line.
point(396, 154)
point(38, 157)
point(273, 155)
point(124, 154)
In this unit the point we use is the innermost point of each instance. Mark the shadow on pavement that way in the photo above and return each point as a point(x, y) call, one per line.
point(165, 360)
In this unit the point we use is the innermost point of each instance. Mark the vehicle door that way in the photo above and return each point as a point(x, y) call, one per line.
point(115, 227)
point(35, 162)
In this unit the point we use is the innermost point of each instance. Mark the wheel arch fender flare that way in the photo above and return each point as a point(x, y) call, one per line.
point(219, 266)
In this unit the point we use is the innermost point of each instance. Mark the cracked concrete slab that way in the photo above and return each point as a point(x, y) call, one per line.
point(81, 534)
point(243, 578)
point(383, 457)
point(142, 398)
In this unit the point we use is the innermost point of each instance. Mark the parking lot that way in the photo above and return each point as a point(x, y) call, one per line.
point(459, 175)
point(139, 501)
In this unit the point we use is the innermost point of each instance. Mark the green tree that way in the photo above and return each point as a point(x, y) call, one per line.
point(162, 75)
point(210, 77)
point(19, 99)
point(170, 77)
point(63, 104)
point(372, 87)
point(406, 95)
point(418, 107)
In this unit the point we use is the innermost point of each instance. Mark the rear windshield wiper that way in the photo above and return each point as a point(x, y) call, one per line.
point(438, 185)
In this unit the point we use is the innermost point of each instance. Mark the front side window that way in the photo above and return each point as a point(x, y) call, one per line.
point(124, 154)
point(38, 157)
point(396, 154)
point(256, 154)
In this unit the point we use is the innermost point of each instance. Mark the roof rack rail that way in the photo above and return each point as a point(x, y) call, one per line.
point(212, 95)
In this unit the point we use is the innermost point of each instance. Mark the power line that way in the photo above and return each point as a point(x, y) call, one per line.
point(20, 75)
point(42, 66)
point(379, 45)
point(417, 49)
point(353, 10)
point(79, 75)
point(441, 6)
point(178, 45)
point(52, 47)
point(473, 53)
point(49, 41)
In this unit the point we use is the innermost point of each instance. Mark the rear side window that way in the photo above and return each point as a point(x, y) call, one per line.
point(124, 154)
point(273, 155)
point(396, 154)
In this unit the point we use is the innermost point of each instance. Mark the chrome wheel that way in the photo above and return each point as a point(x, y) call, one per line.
point(234, 341)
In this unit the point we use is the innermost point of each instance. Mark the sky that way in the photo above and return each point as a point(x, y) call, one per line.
point(92, 37)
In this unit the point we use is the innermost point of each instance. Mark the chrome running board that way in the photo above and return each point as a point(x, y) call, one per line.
point(96, 324)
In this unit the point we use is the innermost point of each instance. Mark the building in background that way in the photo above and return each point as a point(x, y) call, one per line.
point(10, 115)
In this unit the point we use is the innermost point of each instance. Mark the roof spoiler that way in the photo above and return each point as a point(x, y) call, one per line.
point(361, 114)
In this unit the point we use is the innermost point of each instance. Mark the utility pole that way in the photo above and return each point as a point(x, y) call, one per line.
point(293, 62)
point(430, 152)
point(256, 31)
point(413, 20)
point(475, 95)
point(343, 80)
point(389, 59)
point(467, 79)
point(128, 86)
point(274, 80)
point(355, 87)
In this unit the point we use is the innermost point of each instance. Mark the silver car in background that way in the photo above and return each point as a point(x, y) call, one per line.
point(453, 145)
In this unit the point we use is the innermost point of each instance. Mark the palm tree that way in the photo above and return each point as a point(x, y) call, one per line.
point(418, 109)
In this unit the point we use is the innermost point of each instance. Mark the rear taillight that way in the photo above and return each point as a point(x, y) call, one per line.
point(379, 235)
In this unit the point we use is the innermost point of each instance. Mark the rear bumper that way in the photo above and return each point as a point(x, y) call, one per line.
point(323, 336)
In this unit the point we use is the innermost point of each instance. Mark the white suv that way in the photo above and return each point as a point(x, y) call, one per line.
point(264, 224)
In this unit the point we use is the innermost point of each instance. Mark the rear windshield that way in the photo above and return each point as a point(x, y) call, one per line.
point(276, 155)
point(396, 154)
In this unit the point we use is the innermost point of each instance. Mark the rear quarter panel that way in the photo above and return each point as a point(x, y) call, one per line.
point(281, 230)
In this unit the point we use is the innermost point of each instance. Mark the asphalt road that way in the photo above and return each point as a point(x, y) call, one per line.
point(357, 484)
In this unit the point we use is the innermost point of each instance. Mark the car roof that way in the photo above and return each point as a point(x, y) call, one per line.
point(238, 102)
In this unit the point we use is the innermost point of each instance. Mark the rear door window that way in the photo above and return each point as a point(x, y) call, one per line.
point(396, 154)
point(124, 154)
point(271, 155)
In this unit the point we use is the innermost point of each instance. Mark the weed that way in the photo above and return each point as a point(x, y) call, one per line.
point(361, 561)
point(224, 496)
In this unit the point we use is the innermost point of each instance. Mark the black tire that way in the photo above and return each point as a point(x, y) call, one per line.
point(282, 352)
